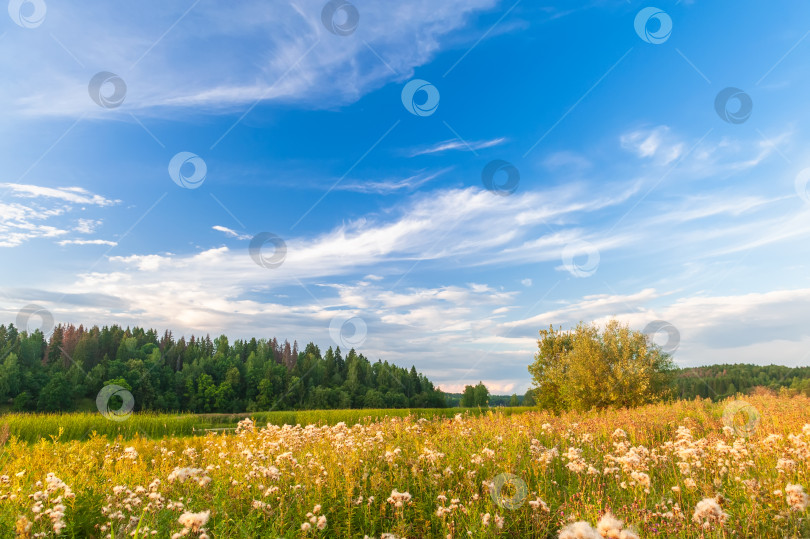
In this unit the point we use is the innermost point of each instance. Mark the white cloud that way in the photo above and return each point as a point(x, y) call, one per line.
point(391, 186)
point(87, 226)
point(231, 233)
point(24, 221)
point(653, 143)
point(458, 144)
point(221, 57)
point(87, 242)
point(74, 195)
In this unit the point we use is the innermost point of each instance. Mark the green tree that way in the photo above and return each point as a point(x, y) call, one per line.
point(481, 395)
point(513, 400)
point(585, 368)
point(468, 397)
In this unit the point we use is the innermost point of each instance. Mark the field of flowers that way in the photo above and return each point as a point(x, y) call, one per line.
point(688, 469)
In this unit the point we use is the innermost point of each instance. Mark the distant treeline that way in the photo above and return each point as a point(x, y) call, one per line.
point(714, 382)
point(67, 371)
point(720, 381)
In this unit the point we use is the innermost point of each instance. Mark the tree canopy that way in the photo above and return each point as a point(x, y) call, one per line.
point(584, 368)
point(197, 375)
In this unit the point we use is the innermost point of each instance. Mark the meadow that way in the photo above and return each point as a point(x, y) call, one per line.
point(682, 469)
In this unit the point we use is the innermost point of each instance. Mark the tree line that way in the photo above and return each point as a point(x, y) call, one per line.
point(588, 367)
point(200, 375)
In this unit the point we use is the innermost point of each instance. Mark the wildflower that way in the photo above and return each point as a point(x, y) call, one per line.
point(579, 530)
point(194, 521)
point(797, 499)
point(398, 499)
point(708, 512)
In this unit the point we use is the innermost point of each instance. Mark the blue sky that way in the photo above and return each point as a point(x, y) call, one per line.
point(634, 195)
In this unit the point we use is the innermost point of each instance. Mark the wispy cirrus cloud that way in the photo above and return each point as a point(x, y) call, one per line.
point(231, 233)
point(242, 54)
point(74, 195)
point(87, 242)
point(458, 144)
point(391, 186)
point(40, 212)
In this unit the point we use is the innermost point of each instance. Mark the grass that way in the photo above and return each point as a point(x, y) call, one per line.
point(81, 425)
point(490, 474)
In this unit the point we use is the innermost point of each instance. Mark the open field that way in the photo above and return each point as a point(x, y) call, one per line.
point(674, 470)
point(80, 426)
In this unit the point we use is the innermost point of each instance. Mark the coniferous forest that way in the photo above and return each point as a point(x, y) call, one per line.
point(66, 371)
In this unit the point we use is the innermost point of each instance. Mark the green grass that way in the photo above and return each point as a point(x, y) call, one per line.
point(80, 425)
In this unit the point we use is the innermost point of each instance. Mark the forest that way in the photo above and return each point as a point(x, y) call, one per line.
point(66, 372)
